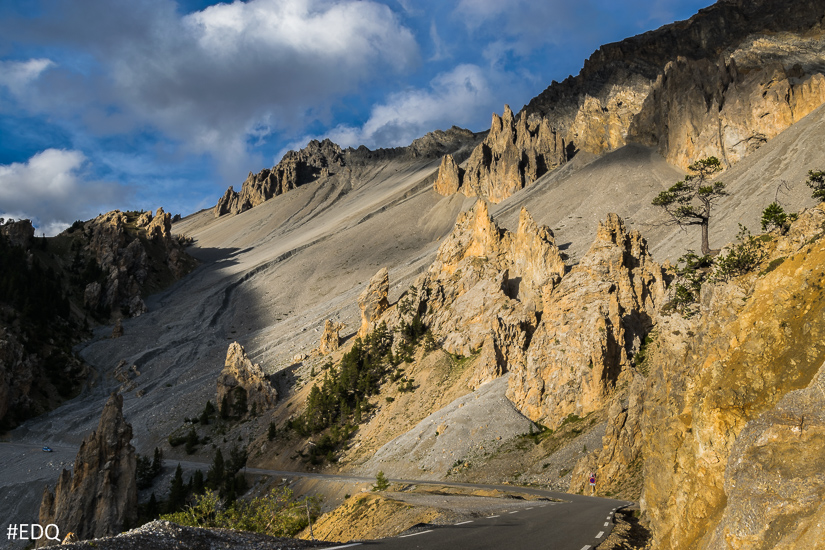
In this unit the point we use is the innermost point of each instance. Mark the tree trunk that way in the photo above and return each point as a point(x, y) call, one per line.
point(706, 249)
point(705, 242)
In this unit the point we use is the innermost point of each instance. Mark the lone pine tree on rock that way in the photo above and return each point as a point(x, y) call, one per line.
point(689, 202)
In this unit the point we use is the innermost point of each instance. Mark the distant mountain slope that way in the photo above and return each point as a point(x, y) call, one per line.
point(719, 84)
point(325, 159)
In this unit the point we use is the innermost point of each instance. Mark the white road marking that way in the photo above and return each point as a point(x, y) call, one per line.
point(586, 547)
point(463, 522)
point(513, 512)
point(345, 546)
point(606, 524)
point(600, 534)
point(528, 508)
point(491, 517)
point(414, 534)
point(608, 518)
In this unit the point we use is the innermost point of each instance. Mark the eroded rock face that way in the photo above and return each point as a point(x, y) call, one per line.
point(373, 301)
point(731, 106)
point(99, 496)
point(482, 292)
point(240, 372)
point(122, 257)
point(17, 373)
point(593, 324)
point(725, 401)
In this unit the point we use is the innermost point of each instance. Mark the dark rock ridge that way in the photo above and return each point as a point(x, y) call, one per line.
point(99, 496)
point(721, 83)
point(322, 159)
point(19, 233)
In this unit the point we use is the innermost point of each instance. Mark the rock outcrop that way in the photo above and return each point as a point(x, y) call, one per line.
point(593, 324)
point(482, 292)
point(330, 341)
point(19, 233)
point(515, 153)
point(373, 301)
point(99, 496)
point(121, 256)
point(160, 228)
point(449, 177)
point(240, 375)
point(734, 399)
point(317, 159)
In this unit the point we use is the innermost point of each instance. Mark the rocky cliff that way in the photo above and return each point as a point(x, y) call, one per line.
point(484, 289)
point(719, 84)
point(593, 324)
point(733, 398)
point(719, 428)
point(322, 159)
point(132, 254)
point(99, 496)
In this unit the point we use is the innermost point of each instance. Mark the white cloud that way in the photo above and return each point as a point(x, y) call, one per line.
point(216, 78)
point(16, 75)
point(455, 97)
point(50, 190)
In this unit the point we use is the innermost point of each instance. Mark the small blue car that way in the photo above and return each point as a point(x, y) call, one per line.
point(47, 450)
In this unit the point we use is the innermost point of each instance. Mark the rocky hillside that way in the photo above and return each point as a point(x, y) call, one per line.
point(379, 319)
point(321, 160)
point(54, 289)
point(720, 84)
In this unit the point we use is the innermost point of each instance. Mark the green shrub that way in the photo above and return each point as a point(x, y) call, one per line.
point(691, 272)
point(816, 181)
point(381, 482)
point(741, 258)
point(276, 514)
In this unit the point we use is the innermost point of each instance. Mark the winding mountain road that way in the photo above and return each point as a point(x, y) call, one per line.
point(577, 522)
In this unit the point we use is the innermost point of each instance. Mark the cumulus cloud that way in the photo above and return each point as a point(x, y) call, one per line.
point(16, 75)
point(216, 78)
point(50, 189)
point(454, 97)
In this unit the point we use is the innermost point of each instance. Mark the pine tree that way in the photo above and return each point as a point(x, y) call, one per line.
point(191, 441)
point(157, 463)
point(177, 492)
point(197, 482)
point(216, 474)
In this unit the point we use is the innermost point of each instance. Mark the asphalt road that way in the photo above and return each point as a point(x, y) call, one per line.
point(574, 525)
point(577, 523)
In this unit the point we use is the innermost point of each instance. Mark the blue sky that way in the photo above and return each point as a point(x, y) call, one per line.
point(144, 103)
